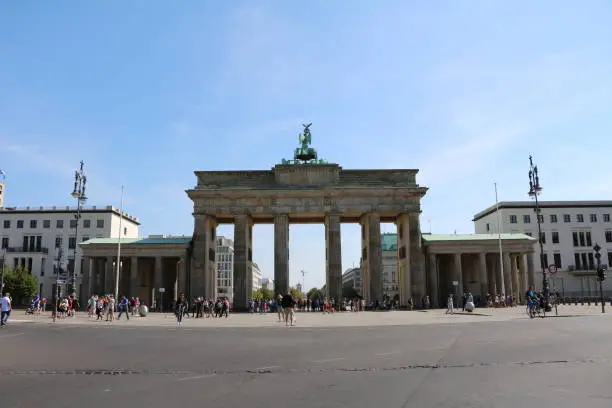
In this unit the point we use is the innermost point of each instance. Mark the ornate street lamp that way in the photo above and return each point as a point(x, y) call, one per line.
point(79, 193)
point(534, 190)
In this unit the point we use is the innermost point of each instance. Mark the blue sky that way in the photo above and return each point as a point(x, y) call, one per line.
point(145, 92)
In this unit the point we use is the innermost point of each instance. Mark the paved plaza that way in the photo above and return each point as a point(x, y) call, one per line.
point(387, 359)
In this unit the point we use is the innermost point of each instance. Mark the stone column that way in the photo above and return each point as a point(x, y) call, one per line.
point(204, 271)
point(134, 277)
point(109, 276)
point(417, 260)
point(434, 281)
point(371, 255)
point(507, 274)
point(492, 274)
point(98, 276)
point(333, 258)
point(243, 257)
point(516, 291)
point(483, 276)
point(86, 288)
point(404, 274)
point(524, 273)
point(158, 281)
point(530, 270)
point(281, 254)
point(458, 276)
point(182, 275)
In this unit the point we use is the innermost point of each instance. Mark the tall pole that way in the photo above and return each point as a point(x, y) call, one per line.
point(2, 272)
point(79, 193)
point(118, 272)
point(303, 272)
point(499, 241)
point(534, 191)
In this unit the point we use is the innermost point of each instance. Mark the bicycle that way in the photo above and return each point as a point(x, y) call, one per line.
point(533, 308)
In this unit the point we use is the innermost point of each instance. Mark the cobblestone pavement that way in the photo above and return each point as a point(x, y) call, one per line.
point(309, 319)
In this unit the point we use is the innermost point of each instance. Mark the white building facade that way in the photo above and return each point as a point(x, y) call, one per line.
point(570, 229)
point(31, 238)
point(225, 269)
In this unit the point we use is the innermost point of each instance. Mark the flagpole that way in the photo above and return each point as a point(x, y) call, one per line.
point(499, 239)
point(117, 275)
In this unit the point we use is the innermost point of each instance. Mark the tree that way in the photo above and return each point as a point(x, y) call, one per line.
point(263, 293)
point(315, 293)
point(349, 292)
point(20, 284)
point(296, 293)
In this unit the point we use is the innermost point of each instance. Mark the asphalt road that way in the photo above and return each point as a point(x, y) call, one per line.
point(560, 362)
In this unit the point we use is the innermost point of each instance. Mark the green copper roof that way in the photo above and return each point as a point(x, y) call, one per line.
point(139, 241)
point(473, 237)
point(388, 242)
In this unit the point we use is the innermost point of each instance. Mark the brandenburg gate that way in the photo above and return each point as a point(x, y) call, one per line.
point(308, 190)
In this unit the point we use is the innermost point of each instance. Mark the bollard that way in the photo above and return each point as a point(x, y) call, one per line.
point(596, 302)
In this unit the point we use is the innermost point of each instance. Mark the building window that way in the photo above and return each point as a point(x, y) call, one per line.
point(71, 242)
point(7, 223)
point(555, 237)
point(59, 224)
point(47, 224)
point(58, 241)
point(588, 239)
point(541, 218)
point(5, 242)
point(575, 238)
point(86, 223)
point(567, 218)
point(585, 263)
point(513, 220)
point(99, 223)
point(579, 217)
point(526, 219)
point(582, 240)
point(124, 231)
point(30, 265)
point(593, 217)
point(19, 223)
point(557, 260)
point(85, 238)
point(33, 223)
point(528, 233)
point(73, 223)
point(606, 217)
point(42, 267)
point(609, 259)
point(543, 237)
point(591, 260)
point(553, 218)
point(608, 235)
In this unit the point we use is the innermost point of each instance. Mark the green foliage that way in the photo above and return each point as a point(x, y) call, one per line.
point(296, 293)
point(349, 292)
point(315, 293)
point(263, 293)
point(20, 284)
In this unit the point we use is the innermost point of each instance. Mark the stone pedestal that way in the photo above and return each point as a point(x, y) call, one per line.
point(243, 258)
point(281, 254)
point(333, 258)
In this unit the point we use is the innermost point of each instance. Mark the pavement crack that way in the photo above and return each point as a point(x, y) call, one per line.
point(264, 371)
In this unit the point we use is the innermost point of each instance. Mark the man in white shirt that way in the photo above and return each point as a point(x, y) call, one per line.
point(5, 308)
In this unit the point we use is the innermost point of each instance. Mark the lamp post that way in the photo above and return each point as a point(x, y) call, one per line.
point(601, 276)
point(79, 193)
point(56, 292)
point(534, 190)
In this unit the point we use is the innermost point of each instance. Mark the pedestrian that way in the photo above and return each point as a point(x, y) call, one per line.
point(180, 307)
point(450, 305)
point(5, 309)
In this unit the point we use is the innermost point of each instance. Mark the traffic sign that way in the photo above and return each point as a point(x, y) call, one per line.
point(162, 290)
point(61, 281)
point(552, 269)
point(455, 283)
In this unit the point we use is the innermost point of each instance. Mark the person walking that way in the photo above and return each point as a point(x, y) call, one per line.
point(288, 303)
point(5, 309)
point(450, 306)
point(180, 308)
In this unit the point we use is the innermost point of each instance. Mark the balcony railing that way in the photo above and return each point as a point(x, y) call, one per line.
point(35, 250)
